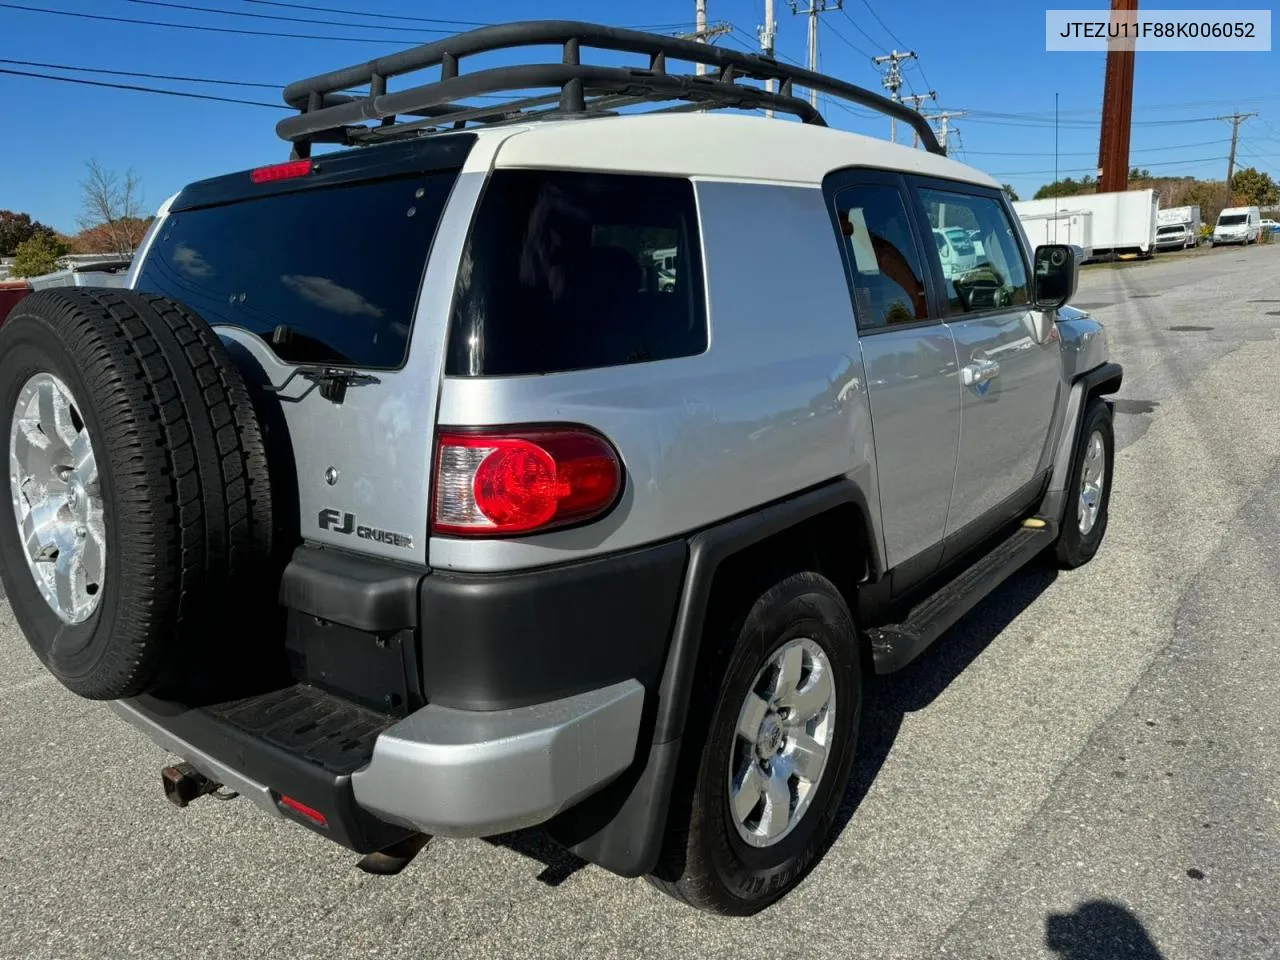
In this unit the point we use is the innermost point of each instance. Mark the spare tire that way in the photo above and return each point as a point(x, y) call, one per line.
point(140, 491)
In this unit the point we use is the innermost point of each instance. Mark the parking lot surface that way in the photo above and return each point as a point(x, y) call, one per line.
point(1087, 767)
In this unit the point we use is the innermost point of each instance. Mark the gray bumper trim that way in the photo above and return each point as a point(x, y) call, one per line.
point(462, 773)
point(214, 769)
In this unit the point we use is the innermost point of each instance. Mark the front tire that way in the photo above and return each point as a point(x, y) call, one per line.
point(770, 774)
point(1089, 489)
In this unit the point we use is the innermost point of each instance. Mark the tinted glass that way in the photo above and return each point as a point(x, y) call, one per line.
point(1171, 230)
point(988, 272)
point(887, 280)
point(569, 271)
point(329, 275)
point(1232, 220)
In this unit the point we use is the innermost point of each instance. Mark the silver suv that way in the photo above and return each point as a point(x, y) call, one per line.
point(545, 461)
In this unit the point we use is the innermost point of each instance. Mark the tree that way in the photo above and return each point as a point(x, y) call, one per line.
point(1205, 194)
point(1066, 188)
point(15, 228)
point(37, 255)
point(100, 239)
point(113, 202)
point(1255, 188)
point(1136, 174)
point(1013, 194)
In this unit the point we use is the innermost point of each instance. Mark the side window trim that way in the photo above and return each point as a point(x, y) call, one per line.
point(916, 183)
point(836, 183)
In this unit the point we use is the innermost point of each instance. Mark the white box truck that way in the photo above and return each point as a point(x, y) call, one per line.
point(1237, 225)
point(1178, 228)
point(1074, 227)
point(1123, 223)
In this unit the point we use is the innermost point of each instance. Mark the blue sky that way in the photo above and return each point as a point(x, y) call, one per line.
point(988, 59)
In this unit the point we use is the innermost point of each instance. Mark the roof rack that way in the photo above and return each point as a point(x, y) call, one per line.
point(330, 114)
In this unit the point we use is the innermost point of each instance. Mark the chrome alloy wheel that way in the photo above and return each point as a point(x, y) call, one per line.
point(784, 732)
point(1092, 479)
point(57, 497)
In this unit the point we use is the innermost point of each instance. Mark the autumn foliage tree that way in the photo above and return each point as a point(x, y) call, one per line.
point(17, 228)
point(112, 213)
point(1253, 188)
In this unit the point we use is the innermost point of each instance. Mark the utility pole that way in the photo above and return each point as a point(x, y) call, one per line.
point(893, 82)
point(815, 7)
point(1236, 119)
point(700, 28)
point(1117, 107)
point(944, 124)
point(917, 99)
point(768, 33)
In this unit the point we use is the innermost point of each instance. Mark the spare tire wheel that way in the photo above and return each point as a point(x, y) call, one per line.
point(139, 487)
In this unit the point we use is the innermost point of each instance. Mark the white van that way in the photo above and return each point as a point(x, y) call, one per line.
point(1237, 225)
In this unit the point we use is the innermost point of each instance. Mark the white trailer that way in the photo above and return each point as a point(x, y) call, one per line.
point(1073, 227)
point(1178, 228)
point(1122, 223)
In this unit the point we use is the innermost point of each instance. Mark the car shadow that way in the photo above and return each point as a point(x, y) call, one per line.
point(889, 699)
point(558, 864)
point(1099, 930)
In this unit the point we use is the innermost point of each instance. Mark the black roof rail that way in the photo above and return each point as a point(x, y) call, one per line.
point(328, 113)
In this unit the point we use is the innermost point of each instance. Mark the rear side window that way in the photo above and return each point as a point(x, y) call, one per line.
point(888, 284)
point(570, 271)
point(328, 275)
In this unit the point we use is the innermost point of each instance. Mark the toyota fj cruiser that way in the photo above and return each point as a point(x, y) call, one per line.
point(544, 461)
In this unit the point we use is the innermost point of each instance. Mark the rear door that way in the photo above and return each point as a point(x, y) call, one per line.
point(909, 360)
point(1009, 383)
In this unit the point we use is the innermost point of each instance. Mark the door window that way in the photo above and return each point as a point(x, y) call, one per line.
point(888, 285)
point(983, 267)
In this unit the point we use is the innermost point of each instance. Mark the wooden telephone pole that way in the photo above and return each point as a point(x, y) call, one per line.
point(1117, 109)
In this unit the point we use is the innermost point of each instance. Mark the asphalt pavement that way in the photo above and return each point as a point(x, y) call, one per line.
point(1087, 768)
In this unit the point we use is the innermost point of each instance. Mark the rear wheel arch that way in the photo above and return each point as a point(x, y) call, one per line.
point(827, 530)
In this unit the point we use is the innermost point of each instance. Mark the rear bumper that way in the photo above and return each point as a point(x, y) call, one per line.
point(440, 770)
point(460, 773)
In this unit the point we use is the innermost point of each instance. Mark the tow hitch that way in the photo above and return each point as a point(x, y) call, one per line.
point(184, 783)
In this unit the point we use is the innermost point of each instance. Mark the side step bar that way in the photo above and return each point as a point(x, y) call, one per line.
point(894, 645)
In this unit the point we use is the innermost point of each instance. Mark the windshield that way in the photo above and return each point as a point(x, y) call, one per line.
point(304, 271)
point(1172, 229)
point(1233, 220)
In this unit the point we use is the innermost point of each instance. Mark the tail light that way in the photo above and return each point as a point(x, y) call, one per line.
point(281, 171)
point(300, 808)
point(494, 483)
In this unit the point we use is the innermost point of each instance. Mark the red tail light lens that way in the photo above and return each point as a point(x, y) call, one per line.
point(491, 484)
point(298, 807)
point(281, 171)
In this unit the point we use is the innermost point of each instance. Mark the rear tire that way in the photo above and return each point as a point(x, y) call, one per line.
point(180, 487)
point(736, 863)
point(1084, 523)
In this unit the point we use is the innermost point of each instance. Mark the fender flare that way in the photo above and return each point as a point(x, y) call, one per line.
point(623, 827)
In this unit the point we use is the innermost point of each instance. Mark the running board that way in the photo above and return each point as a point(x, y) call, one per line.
point(894, 645)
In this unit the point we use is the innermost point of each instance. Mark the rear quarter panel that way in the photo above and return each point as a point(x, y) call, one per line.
point(777, 403)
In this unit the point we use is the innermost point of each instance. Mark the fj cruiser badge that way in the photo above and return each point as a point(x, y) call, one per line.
point(342, 522)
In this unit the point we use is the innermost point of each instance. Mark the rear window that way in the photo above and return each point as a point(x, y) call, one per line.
point(570, 271)
point(329, 275)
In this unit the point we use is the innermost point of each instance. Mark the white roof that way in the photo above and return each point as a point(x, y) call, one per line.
point(717, 147)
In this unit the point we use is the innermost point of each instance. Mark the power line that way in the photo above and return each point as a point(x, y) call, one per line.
point(362, 13)
point(892, 36)
point(1165, 163)
point(141, 89)
point(196, 8)
point(1091, 153)
point(144, 76)
point(857, 26)
point(191, 26)
point(846, 41)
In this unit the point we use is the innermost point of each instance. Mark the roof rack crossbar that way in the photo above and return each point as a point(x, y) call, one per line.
point(327, 115)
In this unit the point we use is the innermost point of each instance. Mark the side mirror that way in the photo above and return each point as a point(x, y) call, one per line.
point(1057, 268)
